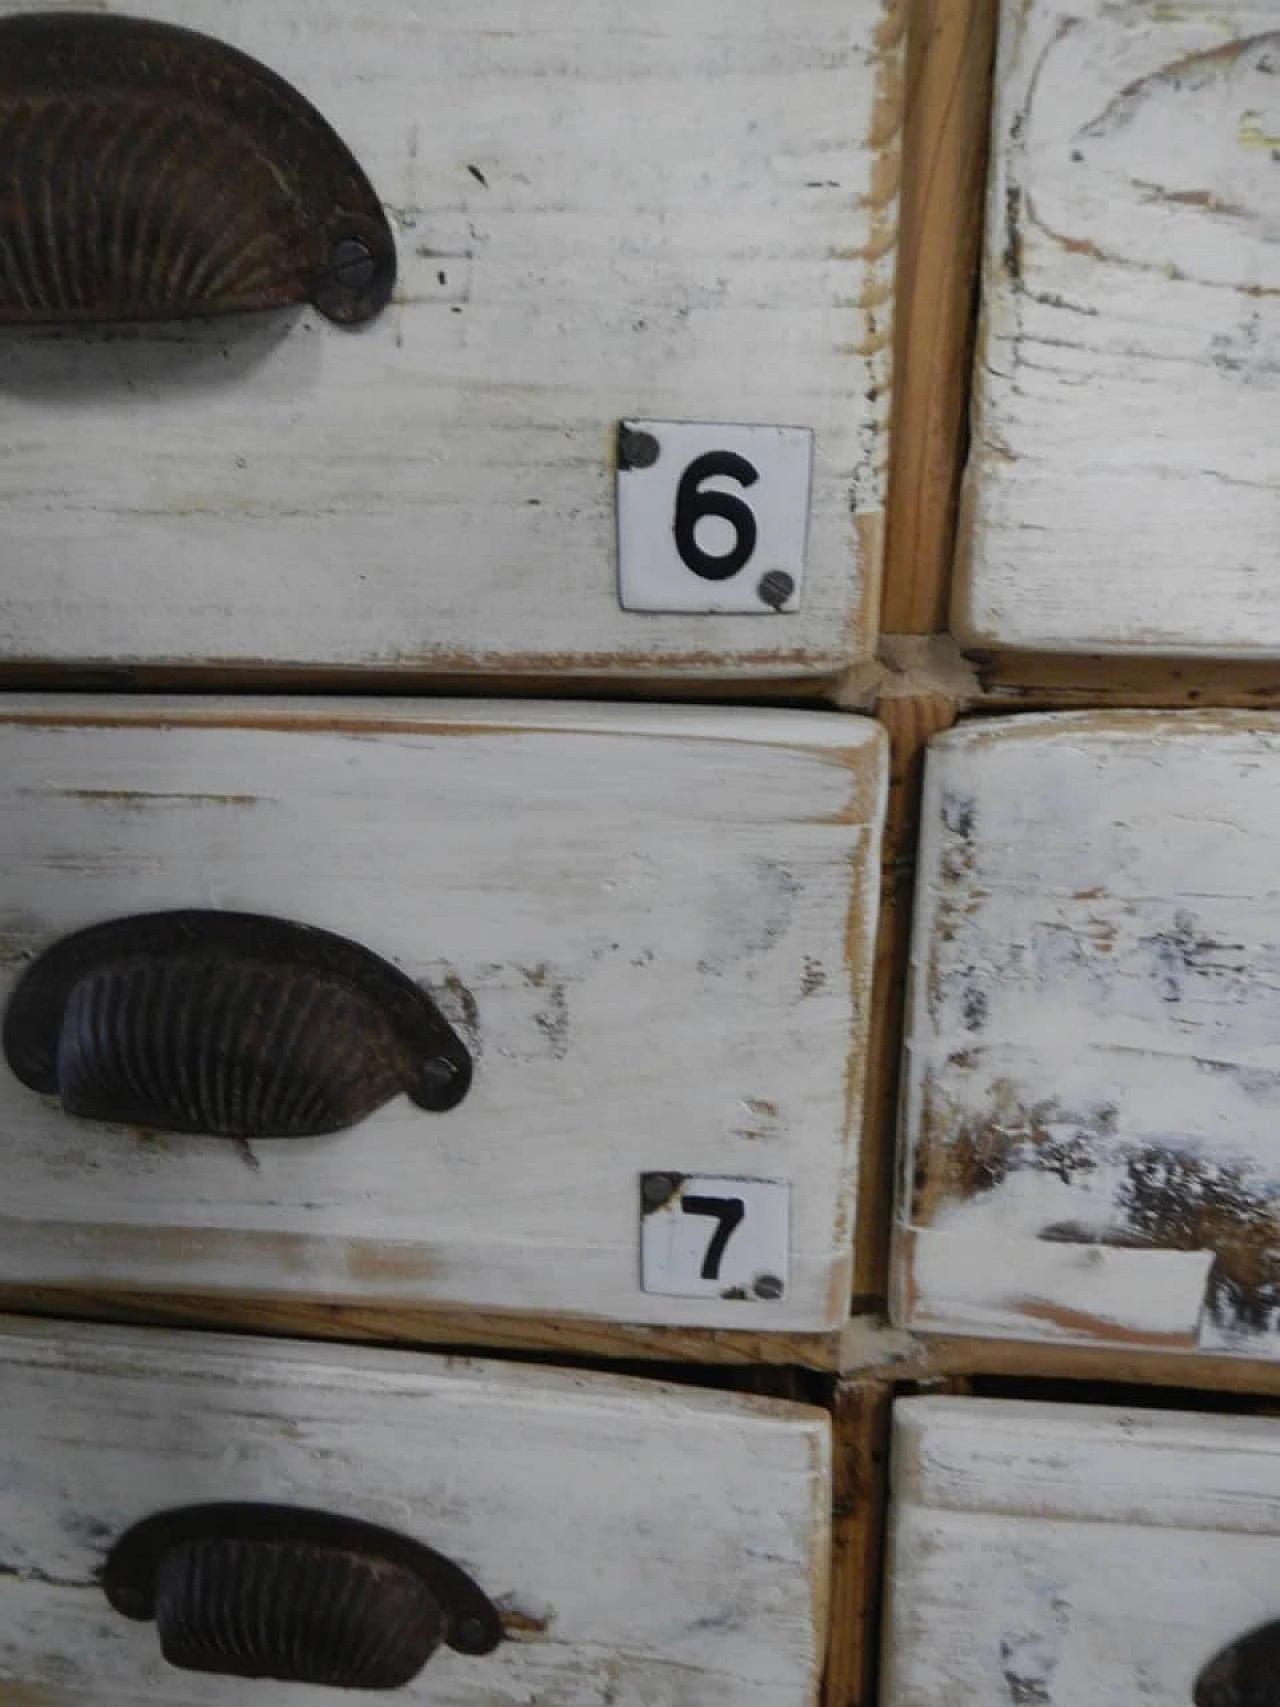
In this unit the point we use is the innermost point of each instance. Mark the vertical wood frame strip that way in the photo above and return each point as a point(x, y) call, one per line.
point(861, 1415)
point(910, 723)
point(950, 56)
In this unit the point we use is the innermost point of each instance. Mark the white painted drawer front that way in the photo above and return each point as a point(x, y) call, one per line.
point(653, 928)
point(1089, 1136)
point(1124, 488)
point(650, 1546)
point(669, 212)
point(1074, 1556)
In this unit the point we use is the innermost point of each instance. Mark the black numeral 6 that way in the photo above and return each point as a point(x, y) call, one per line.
point(693, 504)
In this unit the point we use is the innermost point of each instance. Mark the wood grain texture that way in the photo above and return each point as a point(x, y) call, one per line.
point(435, 1327)
point(873, 1350)
point(651, 1546)
point(1073, 1556)
point(1092, 1060)
point(909, 722)
point(661, 213)
point(1124, 489)
point(950, 46)
point(860, 1422)
point(1046, 681)
point(652, 928)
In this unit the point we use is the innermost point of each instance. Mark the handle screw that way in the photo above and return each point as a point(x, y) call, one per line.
point(658, 1189)
point(776, 588)
point(637, 449)
point(471, 1633)
point(352, 263)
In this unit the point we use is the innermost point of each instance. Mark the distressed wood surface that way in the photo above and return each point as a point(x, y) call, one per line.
point(654, 928)
point(1087, 1144)
point(1074, 1556)
point(649, 1545)
point(667, 212)
point(1124, 488)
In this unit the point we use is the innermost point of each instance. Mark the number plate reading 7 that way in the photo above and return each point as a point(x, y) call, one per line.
point(703, 1236)
point(712, 518)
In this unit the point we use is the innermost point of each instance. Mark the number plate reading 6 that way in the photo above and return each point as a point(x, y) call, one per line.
point(712, 518)
point(708, 1237)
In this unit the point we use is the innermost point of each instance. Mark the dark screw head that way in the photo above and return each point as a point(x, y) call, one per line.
point(636, 449)
point(352, 263)
point(132, 1601)
point(768, 1286)
point(657, 1189)
point(776, 588)
point(442, 1083)
point(472, 1636)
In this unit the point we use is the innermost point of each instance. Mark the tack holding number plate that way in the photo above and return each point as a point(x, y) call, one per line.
point(709, 1236)
point(712, 518)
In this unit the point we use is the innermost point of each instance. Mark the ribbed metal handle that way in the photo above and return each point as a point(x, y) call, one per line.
point(155, 173)
point(298, 1596)
point(1246, 1673)
point(230, 1025)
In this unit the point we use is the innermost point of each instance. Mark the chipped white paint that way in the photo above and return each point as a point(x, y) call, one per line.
point(602, 211)
point(1124, 491)
point(673, 1544)
point(1073, 1556)
point(654, 927)
point(1093, 1080)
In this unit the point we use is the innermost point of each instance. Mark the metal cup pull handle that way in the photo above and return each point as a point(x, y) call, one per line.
point(156, 173)
point(297, 1596)
point(1246, 1673)
point(229, 1025)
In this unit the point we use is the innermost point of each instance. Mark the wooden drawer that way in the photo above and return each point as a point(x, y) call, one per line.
point(652, 931)
point(1122, 491)
point(642, 1544)
point(617, 215)
point(1076, 1555)
point(1093, 1066)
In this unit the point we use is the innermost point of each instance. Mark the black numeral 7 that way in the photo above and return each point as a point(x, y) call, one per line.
point(730, 1213)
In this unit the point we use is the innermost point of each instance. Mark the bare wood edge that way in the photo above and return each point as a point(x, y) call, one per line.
point(911, 721)
point(425, 1328)
point(950, 69)
point(1026, 681)
point(875, 1350)
point(551, 680)
point(911, 666)
point(860, 1417)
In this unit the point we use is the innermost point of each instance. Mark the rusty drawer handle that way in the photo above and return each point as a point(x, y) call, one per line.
point(155, 173)
point(297, 1596)
point(1246, 1673)
point(230, 1025)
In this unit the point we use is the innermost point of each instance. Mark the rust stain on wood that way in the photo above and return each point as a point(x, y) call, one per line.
point(1103, 1328)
